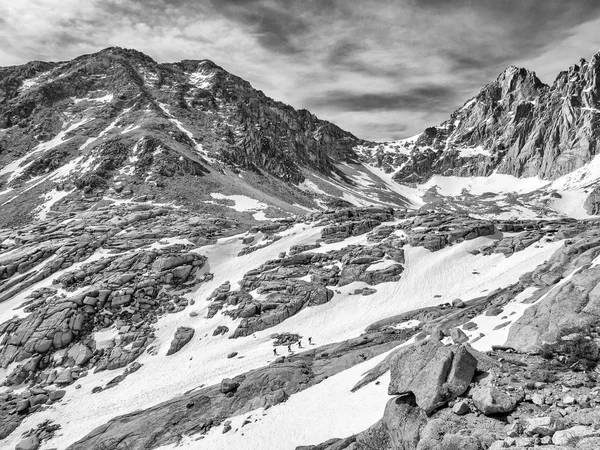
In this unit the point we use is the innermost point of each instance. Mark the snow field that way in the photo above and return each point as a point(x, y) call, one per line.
point(243, 204)
point(453, 186)
point(321, 412)
point(203, 360)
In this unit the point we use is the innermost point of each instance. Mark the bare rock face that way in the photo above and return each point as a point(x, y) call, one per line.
point(224, 122)
point(572, 436)
point(515, 125)
point(399, 428)
point(490, 400)
point(592, 202)
point(575, 303)
point(435, 231)
point(30, 443)
point(433, 373)
point(183, 335)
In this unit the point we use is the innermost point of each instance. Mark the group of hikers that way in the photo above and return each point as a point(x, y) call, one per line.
point(290, 346)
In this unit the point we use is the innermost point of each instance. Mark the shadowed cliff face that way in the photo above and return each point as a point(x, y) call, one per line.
point(516, 125)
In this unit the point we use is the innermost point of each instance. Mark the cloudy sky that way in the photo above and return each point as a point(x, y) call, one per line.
point(382, 69)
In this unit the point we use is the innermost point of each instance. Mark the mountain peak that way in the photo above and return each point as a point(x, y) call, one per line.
point(119, 52)
point(513, 72)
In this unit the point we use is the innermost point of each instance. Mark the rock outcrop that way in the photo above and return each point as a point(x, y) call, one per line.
point(433, 373)
point(183, 335)
point(572, 297)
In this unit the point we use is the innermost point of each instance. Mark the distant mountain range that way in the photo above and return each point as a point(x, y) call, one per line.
point(117, 124)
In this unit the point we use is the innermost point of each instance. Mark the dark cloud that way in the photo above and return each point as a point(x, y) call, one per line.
point(506, 30)
point(274, 23)
point(394, 131)
point(422, 98)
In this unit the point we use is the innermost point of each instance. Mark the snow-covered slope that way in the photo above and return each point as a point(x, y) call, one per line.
point(427, 279)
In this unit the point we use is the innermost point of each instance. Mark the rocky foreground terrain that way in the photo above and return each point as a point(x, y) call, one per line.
point(187, 263)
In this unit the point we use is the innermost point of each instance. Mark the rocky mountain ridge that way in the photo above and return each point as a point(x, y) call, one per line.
point(118, 124)
point(515, 125)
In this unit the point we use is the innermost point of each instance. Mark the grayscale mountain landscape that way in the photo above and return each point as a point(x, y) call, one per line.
point(188, 263)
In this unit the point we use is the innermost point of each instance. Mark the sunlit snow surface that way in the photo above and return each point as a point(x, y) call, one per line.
point(243, 203)
point(328, 409)
point(496, 183)
point(429, 279)
point(537, 198)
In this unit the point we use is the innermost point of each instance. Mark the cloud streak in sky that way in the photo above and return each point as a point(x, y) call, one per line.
point(381, 69)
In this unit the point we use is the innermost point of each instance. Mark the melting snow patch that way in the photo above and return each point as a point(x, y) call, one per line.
point(130, 128)
point(407, 325)
point(381, 265)
point(453, 186)
point(166, 242)
point(570, 204)
point(15, 168)
point(51, 198)
point(309, 186)
point(243, 203)
point(495, 329)
point(355, 200)
point(104, 99)
point(197, 146)
point(468, 152)
point(201, 80)
point(105, 337)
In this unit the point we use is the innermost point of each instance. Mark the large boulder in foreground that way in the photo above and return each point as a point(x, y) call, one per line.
point(433, 373)
point(490, 400)
point(399, 428)
point(30, 443)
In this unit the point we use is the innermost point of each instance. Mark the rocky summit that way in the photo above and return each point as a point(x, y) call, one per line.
point(187, 263)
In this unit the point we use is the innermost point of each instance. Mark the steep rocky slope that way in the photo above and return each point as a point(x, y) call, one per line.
point(518, 138)
point(118, 124)
point(515, 125)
